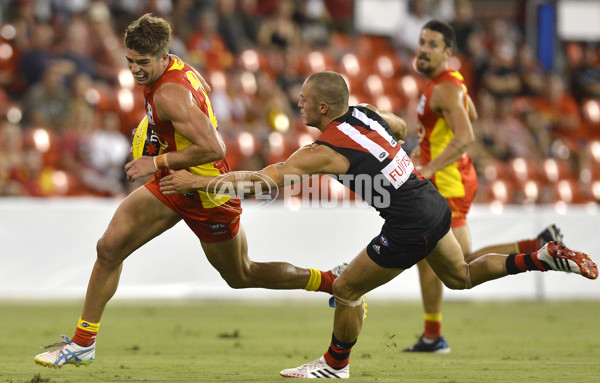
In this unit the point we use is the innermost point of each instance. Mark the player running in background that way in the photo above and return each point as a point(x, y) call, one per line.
point(445, 113)
point(180, 113)
point(363, 144)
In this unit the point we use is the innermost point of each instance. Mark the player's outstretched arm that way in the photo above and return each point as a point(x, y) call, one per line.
point(306, 161)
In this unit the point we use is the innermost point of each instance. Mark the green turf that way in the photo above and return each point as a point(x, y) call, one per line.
point(251, 342)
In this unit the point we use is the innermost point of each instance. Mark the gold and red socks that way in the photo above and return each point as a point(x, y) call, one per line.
point(519, 263)
point(320, 281)
point(338, 355)
point(85, 333)
point(433, 325)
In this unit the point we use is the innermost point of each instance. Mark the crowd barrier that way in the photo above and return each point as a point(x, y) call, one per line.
point(48, 250)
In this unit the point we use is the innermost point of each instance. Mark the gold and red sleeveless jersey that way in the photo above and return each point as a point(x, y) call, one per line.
point(435, 134)
point(180, 73)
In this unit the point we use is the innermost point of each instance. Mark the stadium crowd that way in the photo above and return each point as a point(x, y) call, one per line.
point(68, 102)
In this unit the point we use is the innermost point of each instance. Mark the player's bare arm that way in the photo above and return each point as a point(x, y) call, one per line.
point(175, 103)
point(306, 161)
point(473, 116)
point(447, 99)
point(397, 124)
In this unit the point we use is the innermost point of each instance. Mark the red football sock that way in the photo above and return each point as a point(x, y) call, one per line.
point(432, 330)
point(327, 279)
point(84, 338)
point(529, 245)
point(85, 333)
point(433, 325)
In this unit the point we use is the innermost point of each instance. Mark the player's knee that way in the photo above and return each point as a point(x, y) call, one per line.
point(236, 281)
point(107, 254)
point(343, 290)
point(240, 278)
point(456, 282)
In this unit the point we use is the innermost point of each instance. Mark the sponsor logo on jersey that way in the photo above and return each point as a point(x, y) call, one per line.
point(377, 248)
point(217, 226)
point(383, 240)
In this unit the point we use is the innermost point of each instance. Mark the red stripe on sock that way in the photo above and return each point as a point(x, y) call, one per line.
point(327, 279)
point(84, 338)
point(520, 262)
point(529, 245)
point(336, 363)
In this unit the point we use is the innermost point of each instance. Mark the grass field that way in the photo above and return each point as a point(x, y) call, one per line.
point(251, 342)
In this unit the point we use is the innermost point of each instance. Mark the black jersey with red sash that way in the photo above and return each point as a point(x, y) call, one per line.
point(382, 173)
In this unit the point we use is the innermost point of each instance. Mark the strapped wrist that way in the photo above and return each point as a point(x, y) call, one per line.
point(161, 162)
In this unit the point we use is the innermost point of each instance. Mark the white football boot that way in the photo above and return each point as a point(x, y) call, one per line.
point(319, 369)
point(66, 353)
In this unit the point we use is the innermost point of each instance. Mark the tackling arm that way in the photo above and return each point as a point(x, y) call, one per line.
point(306, 161)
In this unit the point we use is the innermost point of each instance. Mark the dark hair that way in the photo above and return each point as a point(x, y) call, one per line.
point(445, 29)
point(148, 35)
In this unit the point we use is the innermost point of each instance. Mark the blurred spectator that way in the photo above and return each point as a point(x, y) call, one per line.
point(513, 135)
point(540, 131)
point(183, 17)
point(250, 19)
point(465, 25)
point(407, 37)
point(229, 101)
point(313, 18)
point(487, 146)
point(342, 13)
point(500, 76)
point(280, 30)
point(105, 153)
point(586, 76)
point(37, 56)
point(206, 48)
point(290, 81)
point(231, 26)
point(11, 156)
point(501, 30)
point(105, 48)
point(444, 10)
point(45, 103)
point(479, 57)
point(76, 48)
point(31, 177)
point(531, 72)
point(559, 110)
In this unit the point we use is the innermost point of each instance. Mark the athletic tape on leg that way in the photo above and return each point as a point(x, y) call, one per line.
point(346, 303)
point(468, 283)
